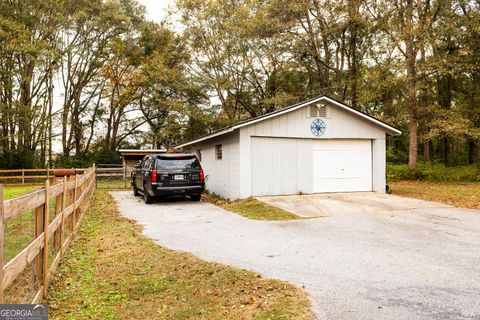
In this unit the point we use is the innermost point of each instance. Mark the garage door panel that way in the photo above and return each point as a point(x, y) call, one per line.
point(280, 165)
point(342, 185)
point(340, 144)
point(342, 165)
point(339, 174)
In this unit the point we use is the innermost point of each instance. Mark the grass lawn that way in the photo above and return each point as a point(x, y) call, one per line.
point(113, 184)
point(15, 191)
point(458, 194)
point(113, 272)
point(18, 231)
point(252, 208)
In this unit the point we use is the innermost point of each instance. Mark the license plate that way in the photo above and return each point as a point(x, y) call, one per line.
point(178, 177)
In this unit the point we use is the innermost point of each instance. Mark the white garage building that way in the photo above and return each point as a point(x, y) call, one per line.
point(320, 145)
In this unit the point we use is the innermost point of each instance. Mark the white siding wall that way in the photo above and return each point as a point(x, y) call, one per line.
point(340, 124)
point(223, 175)
point(379, 164)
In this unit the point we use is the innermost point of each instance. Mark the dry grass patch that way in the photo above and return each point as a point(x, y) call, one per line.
point(113, 272)
point(457, 194)
point(252, 208)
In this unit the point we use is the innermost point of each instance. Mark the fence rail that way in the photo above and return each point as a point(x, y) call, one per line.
point(71, 198)
point(111, 176)
point(24, 176)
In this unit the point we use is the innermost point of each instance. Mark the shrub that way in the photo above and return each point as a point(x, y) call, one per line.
point(433, 172)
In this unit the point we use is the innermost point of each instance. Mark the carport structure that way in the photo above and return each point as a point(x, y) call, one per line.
point(130, 157)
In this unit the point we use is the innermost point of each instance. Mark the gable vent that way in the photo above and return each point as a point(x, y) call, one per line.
point(318, 111)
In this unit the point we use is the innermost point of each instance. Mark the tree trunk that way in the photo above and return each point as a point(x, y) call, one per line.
point(411, 84)
point(444, 150)
point(444, 89)
point(424, 109)
point(77, 125)
point(427, 152)
point(478, 153)
point(50, 120)
point(353, 15)
point(471, 151)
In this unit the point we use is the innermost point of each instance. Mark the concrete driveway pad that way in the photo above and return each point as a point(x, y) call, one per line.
point(328, 204)
point(369, 256)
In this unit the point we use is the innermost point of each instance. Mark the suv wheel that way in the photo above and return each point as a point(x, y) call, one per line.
point(146, 196)
point(196, 197)
point(135, 191)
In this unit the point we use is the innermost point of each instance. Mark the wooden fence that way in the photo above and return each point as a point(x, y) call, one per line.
point(71, 197)
point(32, 176)
point(29, 176)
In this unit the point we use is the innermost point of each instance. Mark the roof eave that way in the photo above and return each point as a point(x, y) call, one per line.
point(388, 129)
point(210, 136)
point(250, 122)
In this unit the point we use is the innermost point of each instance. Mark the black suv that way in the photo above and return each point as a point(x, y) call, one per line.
point(169, 174)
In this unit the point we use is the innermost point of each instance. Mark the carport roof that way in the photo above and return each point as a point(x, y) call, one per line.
point(139, 152)
point(388, 128)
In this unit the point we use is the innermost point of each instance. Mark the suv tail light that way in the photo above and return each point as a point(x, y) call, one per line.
point(154, 175)
point(202, 174)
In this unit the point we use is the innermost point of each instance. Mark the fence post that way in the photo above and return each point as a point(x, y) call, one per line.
point(23, 176)
point(39, 220)
point(48, 174)
point(94, 168)
point(64, 202)
point(74, 213)
point(124, 174)
point(94, 174)
point(46, 218)
point(2, 236)
point(57, 240)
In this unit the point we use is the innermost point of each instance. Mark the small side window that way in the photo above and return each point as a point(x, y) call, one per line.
point(218, 152)
point(199, 154)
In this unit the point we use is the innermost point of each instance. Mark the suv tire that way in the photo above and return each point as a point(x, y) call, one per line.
point(135, 191)
point(146, 196)
point(197, 197)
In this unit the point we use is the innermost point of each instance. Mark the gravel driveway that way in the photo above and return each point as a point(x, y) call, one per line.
point(376, 260)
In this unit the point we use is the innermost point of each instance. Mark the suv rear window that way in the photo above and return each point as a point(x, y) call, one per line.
point(177, 163)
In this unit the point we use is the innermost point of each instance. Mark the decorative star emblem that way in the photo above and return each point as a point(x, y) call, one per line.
point(318, 127)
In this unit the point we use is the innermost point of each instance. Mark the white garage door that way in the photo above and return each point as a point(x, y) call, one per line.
point(281, 166)
point(342, 165)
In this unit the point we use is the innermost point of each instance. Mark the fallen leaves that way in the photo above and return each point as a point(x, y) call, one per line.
point(466, 195)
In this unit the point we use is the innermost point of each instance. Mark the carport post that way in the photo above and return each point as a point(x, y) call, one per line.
point(124, 173)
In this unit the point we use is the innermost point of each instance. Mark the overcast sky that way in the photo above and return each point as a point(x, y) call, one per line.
point(157, 9)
